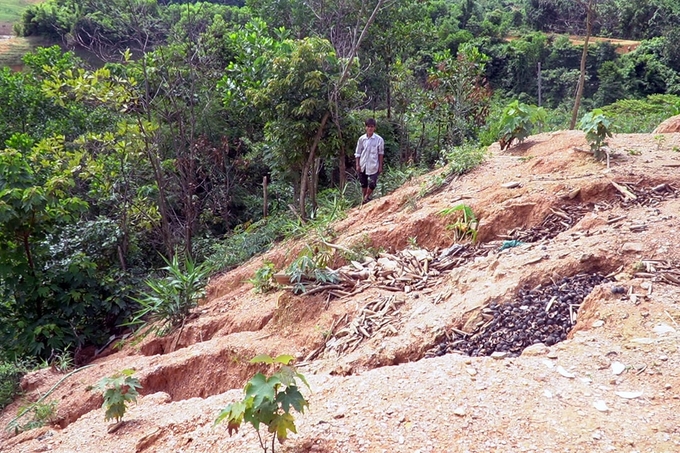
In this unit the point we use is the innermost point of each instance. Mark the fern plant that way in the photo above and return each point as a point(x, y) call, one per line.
point(268, 401)
point(118, 390)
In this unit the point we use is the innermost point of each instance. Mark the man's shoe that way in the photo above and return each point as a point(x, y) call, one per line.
point(366, 200)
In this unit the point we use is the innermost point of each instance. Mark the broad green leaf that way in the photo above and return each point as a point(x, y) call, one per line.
point(284, 359)
point(292, 397)
point(262, 358)
point(261, 388)
point(234, 414)
point(281, 424)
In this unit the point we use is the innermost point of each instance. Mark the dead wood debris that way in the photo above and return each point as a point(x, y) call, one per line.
point(633, 194)
point(405, 271)
point(376, 316)
point(559, 220)
point(660, 270)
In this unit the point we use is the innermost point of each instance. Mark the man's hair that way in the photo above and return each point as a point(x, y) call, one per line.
point(370, 122)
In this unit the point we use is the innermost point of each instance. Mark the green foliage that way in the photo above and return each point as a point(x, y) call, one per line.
point(462, 159)
point(333, 205)
point(465, 225)
point(394, 177)
point(311, 265)
point(41, 414)
point(36, 201)
point(642, 115)
point(251, 239)
point(262, 280)
point(62, 361)
point(518, 121)
point(171, 298)
point(10, 378)
point(268, 401)
point(10, 10)
point(359, 250)
point(458, 95)
point(118, 390)
point(597, 127)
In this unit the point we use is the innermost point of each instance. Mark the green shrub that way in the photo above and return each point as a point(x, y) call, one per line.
point(262, 280)
point(10, 377)
point(597, 128)
point(518, 121)
point(42, 414)
point(642, 115)
point(252, 239)
point(462, 159)
point(311, 264)
point(172, 297)
point(268, 401)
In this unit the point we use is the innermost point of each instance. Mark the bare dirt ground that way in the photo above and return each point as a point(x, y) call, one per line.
point(612, 385)
point(622, 45)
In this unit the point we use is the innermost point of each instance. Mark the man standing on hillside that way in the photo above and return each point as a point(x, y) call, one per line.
point(369, 157)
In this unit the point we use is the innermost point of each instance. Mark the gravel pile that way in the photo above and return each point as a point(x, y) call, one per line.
point(544, 314)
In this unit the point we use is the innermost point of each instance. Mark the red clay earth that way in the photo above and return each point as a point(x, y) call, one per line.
point(612, 385)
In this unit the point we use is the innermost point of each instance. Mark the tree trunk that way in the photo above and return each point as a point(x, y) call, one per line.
point(304, 177)
point(584, 55)
point(265, 211)
point(342, 155)
point(314, 183)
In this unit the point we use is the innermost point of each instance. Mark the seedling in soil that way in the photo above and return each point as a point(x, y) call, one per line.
point(118, 390)
point(465, 228)
point(268, 401)
point(597, 128)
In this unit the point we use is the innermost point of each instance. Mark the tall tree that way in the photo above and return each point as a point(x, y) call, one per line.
point(590, 12)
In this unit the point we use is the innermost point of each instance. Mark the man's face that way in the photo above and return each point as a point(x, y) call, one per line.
point(370, 130)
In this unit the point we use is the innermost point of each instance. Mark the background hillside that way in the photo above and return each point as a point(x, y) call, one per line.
point(612, 384)
point(150, 148)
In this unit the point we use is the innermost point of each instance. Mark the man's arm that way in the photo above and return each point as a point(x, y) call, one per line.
point(380, 162)
point(357, 153)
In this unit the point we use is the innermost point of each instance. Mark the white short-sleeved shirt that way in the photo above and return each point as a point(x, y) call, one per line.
point(368, 150)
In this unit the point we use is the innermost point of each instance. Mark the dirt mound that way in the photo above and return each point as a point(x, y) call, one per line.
point(550, 217)
point(670, 125)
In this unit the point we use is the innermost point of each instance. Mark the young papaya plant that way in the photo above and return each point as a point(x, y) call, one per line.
point(268, 401)
point(518, 121)
point(597, 128)
point(118, 390)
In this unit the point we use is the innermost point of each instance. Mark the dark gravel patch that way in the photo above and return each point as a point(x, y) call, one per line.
point(544, 314)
